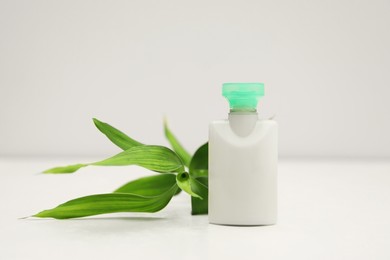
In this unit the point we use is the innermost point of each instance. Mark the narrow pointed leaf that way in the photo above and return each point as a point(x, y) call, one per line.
point(200, 186)
point(149, 186)
point(200, 162)
point(108, 203)
point(184, 181)
point(66, 169)
point(152, 157)
point(176, 146)
point(117, 137)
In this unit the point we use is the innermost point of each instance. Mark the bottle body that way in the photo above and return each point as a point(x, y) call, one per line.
point(243, 171)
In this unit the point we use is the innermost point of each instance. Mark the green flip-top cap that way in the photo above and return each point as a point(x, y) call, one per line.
point(243, 96)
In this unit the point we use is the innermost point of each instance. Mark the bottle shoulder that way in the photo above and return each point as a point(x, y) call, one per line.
point(225, 122)
point(221, 132)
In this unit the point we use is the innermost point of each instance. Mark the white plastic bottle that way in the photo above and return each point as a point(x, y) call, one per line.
point(243, 159)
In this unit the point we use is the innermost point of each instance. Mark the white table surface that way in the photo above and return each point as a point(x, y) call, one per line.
point(328, 209)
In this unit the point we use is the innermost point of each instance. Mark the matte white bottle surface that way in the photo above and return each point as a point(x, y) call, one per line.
point(243, 160)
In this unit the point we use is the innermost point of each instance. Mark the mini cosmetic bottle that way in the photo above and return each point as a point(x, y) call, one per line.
point(243, 157)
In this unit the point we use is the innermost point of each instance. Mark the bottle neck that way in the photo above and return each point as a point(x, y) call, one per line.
point(242, 122)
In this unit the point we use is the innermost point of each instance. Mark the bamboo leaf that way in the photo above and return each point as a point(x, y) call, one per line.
point(153, 157)
point(200, 186)
point(176, 146)
point(200, 162)
point(184, 181)
point(66, 169)
point(117, 137)
point(149, 186)
point(199, 172)
point(109, 203)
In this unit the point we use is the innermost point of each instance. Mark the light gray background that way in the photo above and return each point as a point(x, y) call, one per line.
point(326, 66)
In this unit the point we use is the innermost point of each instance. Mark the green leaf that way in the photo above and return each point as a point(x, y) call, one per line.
point(66, 169)
point(200, 186)
point(153, 157)
point(149, 186)
point(108, 203)
point(184, 181)
point(176, 146)
point(200, 162)
point(199, 172)
point(117, 137)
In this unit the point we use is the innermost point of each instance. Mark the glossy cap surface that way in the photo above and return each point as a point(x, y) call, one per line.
point(243, 96)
